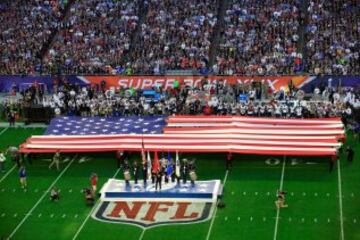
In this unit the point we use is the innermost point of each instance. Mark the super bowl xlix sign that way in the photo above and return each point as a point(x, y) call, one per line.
point(151, 213)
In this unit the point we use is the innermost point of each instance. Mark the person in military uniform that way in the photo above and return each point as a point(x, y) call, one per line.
point(136, 172)
point(144, 172)
point(184, 171)
point(158, 176)
point(127, 173)
point(164, 163)
point(192, 173)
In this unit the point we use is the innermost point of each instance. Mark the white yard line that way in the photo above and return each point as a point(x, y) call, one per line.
point(214, 215)
point(280, 189)
point(142, 234)
point(8, 172)
point(41, 198)
point(90, 213)
point(340, 202)
point(4, 130)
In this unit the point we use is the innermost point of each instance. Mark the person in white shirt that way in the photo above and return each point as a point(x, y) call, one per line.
point(2, 161)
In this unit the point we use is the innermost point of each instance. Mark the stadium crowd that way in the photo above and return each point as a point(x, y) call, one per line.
point(333, 34)
point(260, 40)
point(24, 29)
point(95, 36)
point(175, 35)
point(152, 36)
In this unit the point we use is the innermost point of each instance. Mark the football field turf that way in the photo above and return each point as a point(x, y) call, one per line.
point(322, 205)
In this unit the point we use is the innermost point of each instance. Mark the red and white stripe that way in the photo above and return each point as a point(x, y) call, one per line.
point(265, 136)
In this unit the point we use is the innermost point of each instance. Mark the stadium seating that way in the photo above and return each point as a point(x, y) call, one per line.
point(153, 37)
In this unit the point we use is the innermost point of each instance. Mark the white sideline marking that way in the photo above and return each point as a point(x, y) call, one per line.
point(7, 174)
point(280, 188)
point(41, 198)
point(214, 215)
point(90, 213)
point(340, 202)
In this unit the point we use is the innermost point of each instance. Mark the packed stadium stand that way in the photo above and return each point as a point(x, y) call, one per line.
point(203, 36)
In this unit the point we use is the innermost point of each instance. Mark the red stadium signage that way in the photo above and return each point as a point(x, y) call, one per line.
point(152, 213)
point(146, 82)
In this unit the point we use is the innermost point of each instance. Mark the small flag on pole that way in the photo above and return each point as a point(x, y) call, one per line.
point(156, 164)
point(177, 164)
point(148, 165)
point(143, 157)
point(169, 169)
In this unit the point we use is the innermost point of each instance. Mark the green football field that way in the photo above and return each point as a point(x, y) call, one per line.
point(322, 205)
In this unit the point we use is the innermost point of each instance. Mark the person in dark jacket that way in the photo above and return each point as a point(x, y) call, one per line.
point(350, 154)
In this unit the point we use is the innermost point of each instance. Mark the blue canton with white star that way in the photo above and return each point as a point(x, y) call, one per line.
point(106, 125)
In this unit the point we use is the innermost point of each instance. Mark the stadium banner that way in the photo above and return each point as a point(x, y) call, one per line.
point(46, 82)
point(333, 81)
point(145, 82)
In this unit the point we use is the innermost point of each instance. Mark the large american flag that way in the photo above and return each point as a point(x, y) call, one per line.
point(248, 135)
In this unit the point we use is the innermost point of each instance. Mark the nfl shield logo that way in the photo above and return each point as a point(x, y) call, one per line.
point(151, 213)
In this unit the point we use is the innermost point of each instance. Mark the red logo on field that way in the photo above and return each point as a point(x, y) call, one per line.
point(150, 213)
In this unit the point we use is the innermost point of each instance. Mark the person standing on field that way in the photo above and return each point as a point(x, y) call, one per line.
point(2, 161)
point(22, 175)
point(56, 161)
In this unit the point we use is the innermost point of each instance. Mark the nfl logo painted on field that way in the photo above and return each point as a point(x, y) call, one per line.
point(146, 207)
point(152, 213)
